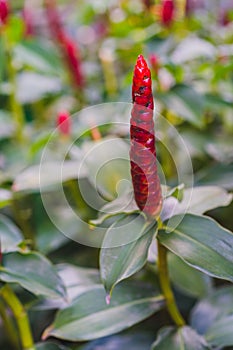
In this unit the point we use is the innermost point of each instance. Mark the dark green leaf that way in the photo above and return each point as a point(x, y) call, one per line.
point(187, 279)
point(10, 235)
point(184, 338)
point(89, 317)
point(33, 272)
point(125, 248)
point(200, 242)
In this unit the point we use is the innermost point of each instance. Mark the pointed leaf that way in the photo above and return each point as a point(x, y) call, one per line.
point(89, 317)
point(33, 272)
point(184, 338)
point(122, 204)
point(202, 243)
point(196, 200)
point(10, 235)
point(125, 248)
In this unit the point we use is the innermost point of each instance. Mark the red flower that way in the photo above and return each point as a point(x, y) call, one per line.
point(28, 18)
point(4, 10)
point(68, 46)
point(167, 12)
point(72, 56)
point(154, 62)
point(64, 123)
point(146, 184)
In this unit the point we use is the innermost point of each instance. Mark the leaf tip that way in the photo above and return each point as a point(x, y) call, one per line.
point(46, 332)
point(108, 299)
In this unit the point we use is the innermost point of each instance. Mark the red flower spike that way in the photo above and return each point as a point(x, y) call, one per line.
point(167, 12)
point(64, 123)
point(154, 62)
point(4, 11)
point(71, 52)
point(146, 183)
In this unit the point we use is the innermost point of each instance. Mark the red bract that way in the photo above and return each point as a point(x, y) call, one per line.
point(154, 62)
point(146, 184)
point(68, 46)
point(54, 20)
point(4, 10)
point(167, 12)
point(27, 14)
point(71, 53)
point(64, 123)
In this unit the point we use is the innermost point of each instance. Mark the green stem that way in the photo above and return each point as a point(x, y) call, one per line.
point(20, 315)
point(22, 214)
point(166, 286)
point(16, 108)
point(9, 326)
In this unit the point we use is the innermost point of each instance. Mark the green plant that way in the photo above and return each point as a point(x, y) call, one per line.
point(84, 265)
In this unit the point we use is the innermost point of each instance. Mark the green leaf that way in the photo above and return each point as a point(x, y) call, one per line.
point(191, 48)
point(213, 317)
point(89, 317)
point(220, 333)
point(196, 200)
point(188, 280)
point(38, 55)
point(184, 338)
point(7, 125)
point(125, 249)
point(202, 243)
point(77, 280)
point(135, 341)
point(185, 102)
point(33, 272)
point(47, 175)
point(5, 197)
point(220, 175)
point(32, 86)
point(125, 203)
point(107, 164)
point(14, 29)
point(50, 346)
point(10, 235)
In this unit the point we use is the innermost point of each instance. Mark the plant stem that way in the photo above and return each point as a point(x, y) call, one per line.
point(16, 108)
point(20, 315)
point(9, 326)
point(166, 286)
